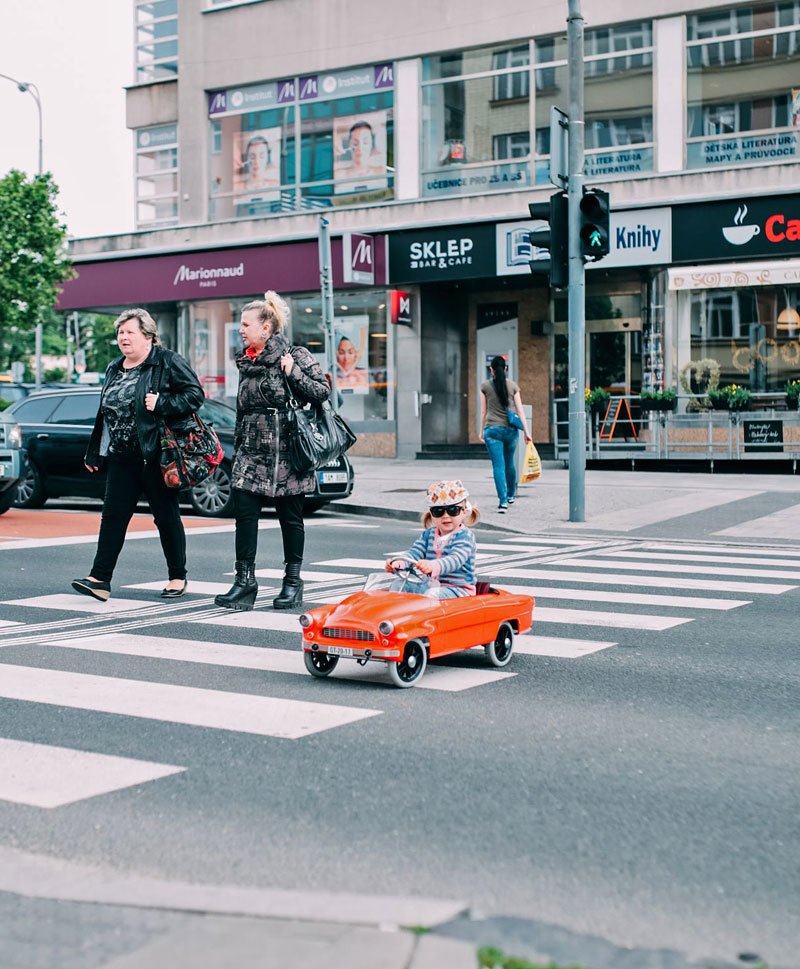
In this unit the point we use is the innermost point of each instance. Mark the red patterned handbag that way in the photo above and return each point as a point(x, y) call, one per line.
point(188, 456)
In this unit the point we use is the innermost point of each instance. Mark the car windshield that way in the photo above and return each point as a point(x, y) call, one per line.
point(220, 415)
point(408, 580)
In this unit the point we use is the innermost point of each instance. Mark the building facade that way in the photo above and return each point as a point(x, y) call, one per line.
point(422, 147)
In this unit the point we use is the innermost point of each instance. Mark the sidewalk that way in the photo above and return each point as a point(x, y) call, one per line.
point(747, 507)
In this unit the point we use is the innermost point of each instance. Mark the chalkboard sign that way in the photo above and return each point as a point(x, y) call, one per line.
point(763, 436)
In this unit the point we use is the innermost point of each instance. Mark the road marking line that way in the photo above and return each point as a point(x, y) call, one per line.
point(195, 587)
point(711, 561)
point(651, 581)
point(43, 776)
point(215, 709)
point(448, 679)
point(10, 622)
point(723, 549)
point(562, 648)
point(710, 569)
point(275, 621)
point(306, 575)
point(79, 603)
point(632, 598)
point(619, 620)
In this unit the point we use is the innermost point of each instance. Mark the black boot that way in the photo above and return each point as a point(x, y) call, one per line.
point(291, 594)
point(242, 594)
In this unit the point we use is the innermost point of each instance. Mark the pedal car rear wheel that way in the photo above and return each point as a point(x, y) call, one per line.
point(499, 652)
point(320, 664)
point(411, 666)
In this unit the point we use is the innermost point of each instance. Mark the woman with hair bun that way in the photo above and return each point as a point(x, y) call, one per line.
point(261, 468)
point(499, 397)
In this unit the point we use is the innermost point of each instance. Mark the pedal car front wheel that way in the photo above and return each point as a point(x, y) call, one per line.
point(411, 666)
point(499, 652)
point(320, 664)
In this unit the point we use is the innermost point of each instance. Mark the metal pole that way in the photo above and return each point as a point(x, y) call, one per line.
point(68, 340)
point(39, 356)
point(576, 301)
point(34, 93)
point(326, 292)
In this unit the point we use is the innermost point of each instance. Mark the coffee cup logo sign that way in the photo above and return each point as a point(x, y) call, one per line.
point(739, 233)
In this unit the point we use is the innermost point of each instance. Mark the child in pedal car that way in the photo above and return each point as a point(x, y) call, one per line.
point(446, 548)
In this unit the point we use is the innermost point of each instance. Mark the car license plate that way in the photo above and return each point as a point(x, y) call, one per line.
point(333, 477)
point(339, 650)
point(4, 470)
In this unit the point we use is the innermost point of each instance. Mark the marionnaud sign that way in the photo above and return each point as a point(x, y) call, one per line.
point(358, 256)
point(739, 228)
point(639, 237)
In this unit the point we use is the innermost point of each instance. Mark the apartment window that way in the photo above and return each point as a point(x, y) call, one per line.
point(157, 176)
point(475, 132)
point(743, 101)
point(156, 40)
point(618, 96)
point(317, 141)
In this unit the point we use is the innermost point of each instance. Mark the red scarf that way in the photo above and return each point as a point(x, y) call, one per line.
point(251, 353)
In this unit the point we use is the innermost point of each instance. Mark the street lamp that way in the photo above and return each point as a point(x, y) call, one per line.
point(34, 93)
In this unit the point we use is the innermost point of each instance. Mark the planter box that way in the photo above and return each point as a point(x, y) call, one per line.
point(792, 403)
point(658, 404)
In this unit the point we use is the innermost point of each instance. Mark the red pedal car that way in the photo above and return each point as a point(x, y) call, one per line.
point(391, 621)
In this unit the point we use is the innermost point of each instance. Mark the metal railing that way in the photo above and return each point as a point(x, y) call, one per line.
point(766, 430)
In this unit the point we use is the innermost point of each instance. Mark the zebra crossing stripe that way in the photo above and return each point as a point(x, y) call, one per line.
point(196, 587)
point(44, 776)
point(10, 622)
point(722, 549)
point(543, 593)
point(79, 603)
point(214, 709)
point(650, 581)
point(562, 648)
point(711, 568)
point(446, 679)
point(619, 620)
point(710, 560)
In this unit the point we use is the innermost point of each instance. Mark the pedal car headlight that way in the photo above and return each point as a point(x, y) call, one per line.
point(386, 628)
point(306, 620)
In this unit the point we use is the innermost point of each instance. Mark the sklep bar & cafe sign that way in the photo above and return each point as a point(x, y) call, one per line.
point(290, 267)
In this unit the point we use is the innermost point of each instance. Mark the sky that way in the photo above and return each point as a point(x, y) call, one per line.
point(80, 55)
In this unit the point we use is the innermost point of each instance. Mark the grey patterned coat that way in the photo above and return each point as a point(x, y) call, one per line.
point(260, 464)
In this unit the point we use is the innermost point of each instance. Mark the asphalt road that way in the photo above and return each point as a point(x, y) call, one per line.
point(645, 792)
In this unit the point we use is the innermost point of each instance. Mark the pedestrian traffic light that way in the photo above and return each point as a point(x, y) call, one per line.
point(594, 224)
point(553, 238)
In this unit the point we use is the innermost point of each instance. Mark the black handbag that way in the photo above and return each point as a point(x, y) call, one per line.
point(317, 435)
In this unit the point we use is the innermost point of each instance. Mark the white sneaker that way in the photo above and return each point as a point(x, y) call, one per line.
point(512, 499)
point(502, 508)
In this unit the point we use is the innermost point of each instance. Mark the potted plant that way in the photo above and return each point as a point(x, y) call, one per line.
point(597, 400)
point(793, 394)
point(658, 399)
point(733, 397)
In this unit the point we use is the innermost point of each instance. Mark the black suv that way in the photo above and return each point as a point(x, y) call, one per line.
point(56, 426)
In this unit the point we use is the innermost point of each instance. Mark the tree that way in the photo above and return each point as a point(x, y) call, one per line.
point(33, 259)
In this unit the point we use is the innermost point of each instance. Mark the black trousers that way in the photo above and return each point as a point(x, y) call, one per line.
point(124, 485)
point(247, 509)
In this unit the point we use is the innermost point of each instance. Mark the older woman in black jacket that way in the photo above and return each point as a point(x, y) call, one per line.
point(268, 369)
point(145, 386)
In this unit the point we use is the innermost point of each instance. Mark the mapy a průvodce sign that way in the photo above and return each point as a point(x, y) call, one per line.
point(739, 228)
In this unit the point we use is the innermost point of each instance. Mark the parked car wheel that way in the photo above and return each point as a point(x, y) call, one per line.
point(214, 496)
point(7, 499)
point(411, 666)
point(30, 490)
point(499, 652)
point(320, 664)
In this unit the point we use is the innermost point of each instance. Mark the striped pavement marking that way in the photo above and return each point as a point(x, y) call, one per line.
point(194, 587)
point(650, 581)
point(563, 648)
point(79, 603)
point(710, 561)
point(618, 620)
point(710, 568)
point(214, 709)
point(10, 622)
point(290, 661)
point(43, 776)
point(544, 592)
point(722, 549)
point(274, 621)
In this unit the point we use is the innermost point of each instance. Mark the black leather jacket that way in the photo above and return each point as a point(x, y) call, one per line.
point(179, 395)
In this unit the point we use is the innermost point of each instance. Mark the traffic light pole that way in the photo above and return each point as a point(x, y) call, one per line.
point(577, 291)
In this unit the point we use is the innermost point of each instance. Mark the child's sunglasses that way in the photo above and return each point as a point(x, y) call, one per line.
point(452, 510)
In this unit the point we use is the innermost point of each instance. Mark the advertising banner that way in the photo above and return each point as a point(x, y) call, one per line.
point(257, 163)
point(741, 228)
point(359, 156)
point(350, 346)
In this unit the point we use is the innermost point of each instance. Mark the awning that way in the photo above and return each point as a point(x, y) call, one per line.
point(735, 275)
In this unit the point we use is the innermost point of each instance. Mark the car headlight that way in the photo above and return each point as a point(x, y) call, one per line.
point(14, 436)
point(386, 628)
point(306, 620)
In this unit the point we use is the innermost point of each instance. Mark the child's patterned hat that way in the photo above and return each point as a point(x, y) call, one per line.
point(447, 493)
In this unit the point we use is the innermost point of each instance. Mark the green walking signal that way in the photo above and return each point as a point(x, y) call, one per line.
point(594, 224)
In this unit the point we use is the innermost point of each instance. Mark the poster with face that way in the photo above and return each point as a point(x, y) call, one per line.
point(257, 163)
point(359, 159)
point(350, 349)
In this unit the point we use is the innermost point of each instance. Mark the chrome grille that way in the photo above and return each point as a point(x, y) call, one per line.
point(338, 632)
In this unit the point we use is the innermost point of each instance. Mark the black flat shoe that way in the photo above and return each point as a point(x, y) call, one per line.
point(174, 593)
point(91, 587)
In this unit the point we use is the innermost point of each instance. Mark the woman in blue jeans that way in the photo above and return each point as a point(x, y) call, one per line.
point(498, 396)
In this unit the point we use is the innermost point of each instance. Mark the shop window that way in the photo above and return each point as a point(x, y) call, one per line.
point(156, 40)
point(618, 96)
point(475, 113)
point(157, 176)
point(753, 333)
point(741, 86)
point(303, 143)
point(362, 349)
